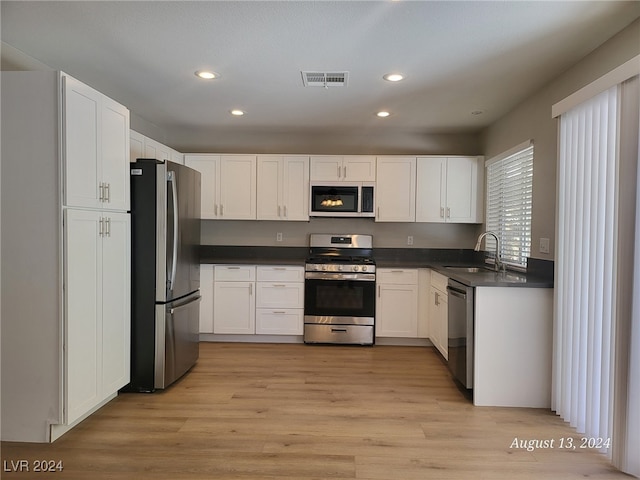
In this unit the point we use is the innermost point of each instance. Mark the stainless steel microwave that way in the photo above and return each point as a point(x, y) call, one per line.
point(348, 199)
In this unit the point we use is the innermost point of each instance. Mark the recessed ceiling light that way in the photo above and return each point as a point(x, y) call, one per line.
point(237, 112)
point(393, 77)
point(206, 74)
point(383, 114)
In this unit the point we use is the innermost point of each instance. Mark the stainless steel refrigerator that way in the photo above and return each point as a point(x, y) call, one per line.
point(165, 296)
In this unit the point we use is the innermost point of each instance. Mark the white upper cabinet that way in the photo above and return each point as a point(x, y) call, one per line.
point(228, 185)
point(283, 188)
point(396, 189)
point(96, 148)
point(349, 168)
point(157, 150)
point(142, 146)
point(449, 189)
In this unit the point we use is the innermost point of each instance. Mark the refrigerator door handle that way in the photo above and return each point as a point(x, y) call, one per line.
point(171, 177)
point(185, 304)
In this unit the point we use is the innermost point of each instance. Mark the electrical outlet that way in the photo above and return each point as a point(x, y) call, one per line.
point(279, 237)
point(410, 240)
point(544, 245)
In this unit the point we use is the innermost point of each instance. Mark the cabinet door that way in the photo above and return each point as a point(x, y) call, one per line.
point(154, 149)
point(430, 192)
point(295, 188)
point(209, 168)
point(234, 307)
point(438, 314)
point(206, 305)
point(396, 189)
point(82, 300)
point(359, 168)
point(115, 155)
point(136, 146)
point(397, 311)
point(326, 168)
point(116, 302)
point(279, 295)
point(269, 201)
point(279, 321)
point(81, 147)
point(237, 187)
point(462, 190)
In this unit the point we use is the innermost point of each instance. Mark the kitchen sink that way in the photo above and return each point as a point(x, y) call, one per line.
point(470, 269)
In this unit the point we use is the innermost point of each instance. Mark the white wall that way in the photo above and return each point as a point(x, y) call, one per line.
point(532, 120)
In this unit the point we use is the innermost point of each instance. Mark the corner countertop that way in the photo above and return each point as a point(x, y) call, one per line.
point(539, 274)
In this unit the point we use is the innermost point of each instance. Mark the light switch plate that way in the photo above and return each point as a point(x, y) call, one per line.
point(279, 237)
point(410, 240)
point(544, 245)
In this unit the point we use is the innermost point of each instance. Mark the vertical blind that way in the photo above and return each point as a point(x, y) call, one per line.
point(585, 267)
point(509, 200)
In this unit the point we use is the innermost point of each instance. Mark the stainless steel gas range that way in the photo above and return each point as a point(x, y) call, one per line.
point(340, 290)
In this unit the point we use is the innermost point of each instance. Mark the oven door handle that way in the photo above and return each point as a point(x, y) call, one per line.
point(362, 277)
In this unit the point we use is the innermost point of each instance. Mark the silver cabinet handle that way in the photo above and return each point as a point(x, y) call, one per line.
point(448, 212)
point(278, 286)
point(101, 230)
point(378, 291)
point(250, 289)
point(285, 211)
point(278, 210)
point(233, 268)
point(436, 298)
point(107, 227)
point(278, 312)
point(338, 171)
point(221, 210)
point(107, 192)
point(215, 209)
point(101, 191)
point(441, 212)
point(344, 171)
point(279, 268)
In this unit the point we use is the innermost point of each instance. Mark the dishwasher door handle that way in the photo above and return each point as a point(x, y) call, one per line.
point(457, 293)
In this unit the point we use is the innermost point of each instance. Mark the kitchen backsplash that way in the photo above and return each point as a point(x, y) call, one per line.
point(296, 234)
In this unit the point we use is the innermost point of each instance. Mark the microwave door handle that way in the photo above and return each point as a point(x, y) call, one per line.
point(171, 178)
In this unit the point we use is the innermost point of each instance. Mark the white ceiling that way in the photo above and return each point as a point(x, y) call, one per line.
point(458, 57)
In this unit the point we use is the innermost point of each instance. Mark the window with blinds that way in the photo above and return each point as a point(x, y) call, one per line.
point(509, 200)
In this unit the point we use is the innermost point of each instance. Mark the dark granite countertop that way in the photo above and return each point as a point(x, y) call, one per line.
point(539, 273)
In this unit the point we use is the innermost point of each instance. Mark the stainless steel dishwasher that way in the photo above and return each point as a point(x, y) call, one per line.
point(460, 336)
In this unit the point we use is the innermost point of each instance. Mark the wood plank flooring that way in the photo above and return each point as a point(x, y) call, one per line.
point(276, 412)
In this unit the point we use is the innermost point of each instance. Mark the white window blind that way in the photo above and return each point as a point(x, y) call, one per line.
point(509, 200)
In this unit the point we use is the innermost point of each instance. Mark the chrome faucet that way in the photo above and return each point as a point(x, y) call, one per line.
point(498, 264)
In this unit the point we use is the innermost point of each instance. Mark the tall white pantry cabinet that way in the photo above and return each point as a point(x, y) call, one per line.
point(66, 253)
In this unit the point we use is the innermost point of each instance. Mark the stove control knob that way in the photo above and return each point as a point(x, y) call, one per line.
point(364, 268)
point(324, 267)
point(340, 267)
point(356, 268)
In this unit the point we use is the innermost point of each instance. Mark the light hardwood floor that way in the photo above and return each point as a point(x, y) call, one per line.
point(265, 411)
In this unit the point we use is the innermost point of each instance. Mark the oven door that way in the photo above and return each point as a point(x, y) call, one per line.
point(339, 298)
point(334, 201)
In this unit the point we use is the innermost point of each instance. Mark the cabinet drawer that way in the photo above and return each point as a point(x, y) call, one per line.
point(279, 321)
point(397, 276)
point(439, 281)
point(235, 273)
point(280, 274)
point(279, 295)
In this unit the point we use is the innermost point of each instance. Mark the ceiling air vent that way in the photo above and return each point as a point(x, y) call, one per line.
point(325, 79)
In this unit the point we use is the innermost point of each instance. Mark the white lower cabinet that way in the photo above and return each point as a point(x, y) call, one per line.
point(206, 304)
point(397, 303)
point(280, 300)
point(234, 305)
point(248, 299)
point(97, 296)
point(438, 313)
